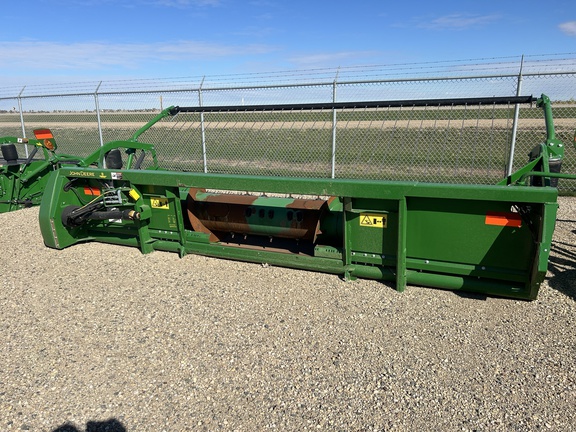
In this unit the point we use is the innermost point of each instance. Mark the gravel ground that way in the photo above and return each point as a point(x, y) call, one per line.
point(101, 338)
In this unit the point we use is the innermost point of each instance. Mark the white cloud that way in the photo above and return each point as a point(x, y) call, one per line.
point(458, 21)
point(98, 55)
point(568, 28)
point(335, 58)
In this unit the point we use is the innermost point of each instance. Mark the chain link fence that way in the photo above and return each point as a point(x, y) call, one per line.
point(455, 144)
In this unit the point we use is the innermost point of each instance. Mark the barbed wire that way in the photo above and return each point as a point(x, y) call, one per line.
point(535, 63)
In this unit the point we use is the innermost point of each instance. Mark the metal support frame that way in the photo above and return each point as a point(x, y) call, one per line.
point(334, 126)
point(500, 100)
point(22, 117)
point(98, 114)
point(515, 122)
point(202, 128)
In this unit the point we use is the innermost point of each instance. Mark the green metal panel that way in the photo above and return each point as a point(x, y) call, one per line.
point(18, 189)
point(433, 224)
point(369, 235)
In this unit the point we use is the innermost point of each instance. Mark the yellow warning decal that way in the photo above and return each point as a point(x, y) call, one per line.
point(134, 195)
point(159, 203)
point(373, 220)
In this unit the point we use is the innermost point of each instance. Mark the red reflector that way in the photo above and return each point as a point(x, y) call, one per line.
point(89, 190)
point(503, 219)
point(43, 134)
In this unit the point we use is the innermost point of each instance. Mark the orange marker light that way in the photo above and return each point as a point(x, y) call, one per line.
point(504, 219)
point(43, 134)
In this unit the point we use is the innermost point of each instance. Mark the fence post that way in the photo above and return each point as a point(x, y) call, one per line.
point(334, 122)
point(515, 122)
point(202, 130)
point(98, 116)
point(22, 119)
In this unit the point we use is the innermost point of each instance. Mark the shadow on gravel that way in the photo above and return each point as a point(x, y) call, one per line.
point(471, 295)
point(567, 221)
point(111, 425)
point(562, 264)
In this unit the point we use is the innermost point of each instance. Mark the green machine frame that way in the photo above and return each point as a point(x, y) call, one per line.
point(23, 180)
point(493, 240)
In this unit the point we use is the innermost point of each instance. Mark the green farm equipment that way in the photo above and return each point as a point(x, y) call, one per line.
point(493, 240)
point(23, 180)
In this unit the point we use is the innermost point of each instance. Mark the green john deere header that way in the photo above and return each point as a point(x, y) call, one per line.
point(487, 239)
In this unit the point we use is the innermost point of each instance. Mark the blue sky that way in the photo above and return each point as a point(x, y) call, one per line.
point(54, 40)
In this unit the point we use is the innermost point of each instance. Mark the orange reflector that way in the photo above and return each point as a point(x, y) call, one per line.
point(89, 190)
point(49, 145)
point(504, 219)
point(43, 134)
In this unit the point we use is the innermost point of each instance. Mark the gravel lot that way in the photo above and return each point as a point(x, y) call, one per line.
point(101, 338)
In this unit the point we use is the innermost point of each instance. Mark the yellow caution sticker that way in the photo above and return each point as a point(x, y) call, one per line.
point(159, 203)
point(134, 195)
point(373, 220)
